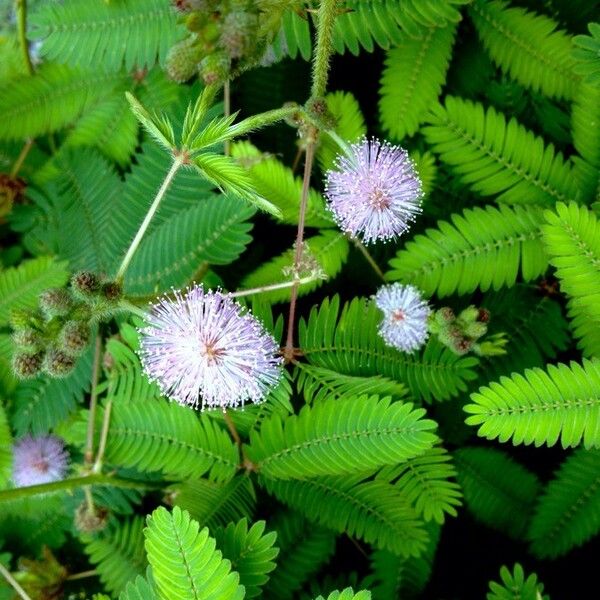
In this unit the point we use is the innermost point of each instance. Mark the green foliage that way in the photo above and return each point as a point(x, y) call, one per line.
point(527, 47)
point(304, 549)
point(348, 343)
point(5, 448)
point(276, 182)
point(414, 73)
point(568, 512)
point(347, 594)
point(572, 239)
point(185, 564)
point(168, 437)
point(349, 125)
point(251, 552)
point(541, 407)
point(118, 554)
point(139, 589)
point(396, 577)
point(374, 511)
point(329, 250)
point(515, 586)
point(427, 482)
point(586, 112)
point(497, 490)
point(53, 98)
point(481, 248)
point(129, 33)
point(586, 52)
point(215, 504)
point(318, 384)
point(496, 157)
point(215, 231)
point(338, 436)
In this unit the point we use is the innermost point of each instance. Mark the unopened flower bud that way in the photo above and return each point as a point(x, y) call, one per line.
point(20, 318)
point(112, 291)
point(214, 68)
point(445, 315)
point(27, 364)
point(27, 339)
point(475, 330)
point(469, 314)
point(56, 302)
point(85, 284)
point(90, 519)
point(238, 33)
point(462, 346)
point(58, 363)
point(74, 337)
point(484, 315)
point(182, 60)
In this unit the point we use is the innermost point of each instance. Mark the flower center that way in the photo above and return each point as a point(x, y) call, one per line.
point(379, 199)
point(398, 315)
point(41, 465)
point(212, 353)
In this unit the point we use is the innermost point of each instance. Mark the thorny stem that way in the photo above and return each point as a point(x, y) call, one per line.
point(288, 352)
point(89, 444)
point(72, 483)
point(274, 286)
point(21, 158)
point(21, 8)
point(103, 437)
point(177, 162)
point(368, 257)
point(13, 582)
point(227, 111)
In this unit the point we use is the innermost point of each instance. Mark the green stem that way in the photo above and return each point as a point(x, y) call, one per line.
point(21, 158)
point(70, 484)
point(227, 112)
point(103, 438)
point(21, 8)
point(324, 49)
point(368, 258)
point(177, 162)
point(275, 286)
point(13, 582)
point(261, 120)
point(89, 444)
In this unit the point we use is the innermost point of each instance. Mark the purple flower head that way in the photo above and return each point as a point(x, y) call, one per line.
point(39, 460)
point(375, 191)
point(405, 314)
point(203, 348)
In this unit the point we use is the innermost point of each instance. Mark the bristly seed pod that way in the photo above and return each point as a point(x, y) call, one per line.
point(56, 302)
point(215, 68)
point(237, 34)
point(112, 291)
point(27, 339)
point(182, 60)
point(75, 336)
point(85, 284)
point(27, 365)
point(90, 520)
point(58, 363)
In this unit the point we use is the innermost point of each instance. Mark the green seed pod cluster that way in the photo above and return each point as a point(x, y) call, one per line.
point(462, 333)
point(50, 339)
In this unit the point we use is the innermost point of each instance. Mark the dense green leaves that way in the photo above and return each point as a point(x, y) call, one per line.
point(482, 248)
point(515, 586)
point(340, 436)
point(496, 156)
point(5, 448)
point(185, 564)
point(541, 407)
point(129, 33)
point(374, 511)
point(348, 343)
point(170, 438)
point(414, 73)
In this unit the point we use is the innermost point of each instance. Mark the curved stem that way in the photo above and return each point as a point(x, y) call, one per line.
point(13, 582)
point(21, 158)
point(177, 162)
point(368, 258)
point(70, 484)
point(21, 8)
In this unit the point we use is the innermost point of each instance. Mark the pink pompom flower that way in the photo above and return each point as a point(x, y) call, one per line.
point(38, 460)
point(374, 191)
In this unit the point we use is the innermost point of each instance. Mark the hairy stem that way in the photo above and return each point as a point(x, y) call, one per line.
point(288, 352)
point(21, 9)
point(368, 258)
point(103, 437)
point(89, 443)
point(73, 483)
point(177, 162)
point(324, 49)
point(274, 286)
point(21, 158)
point(13, 582)
point(227, 111)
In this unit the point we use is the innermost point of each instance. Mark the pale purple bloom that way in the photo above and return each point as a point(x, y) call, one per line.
point(405, 315)
point(39, 460)
point(203, 348)
point(374, 191)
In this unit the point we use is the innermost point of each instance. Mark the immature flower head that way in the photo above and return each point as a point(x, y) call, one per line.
point(39, 460)
point(374, 191)
point(203, 348)
point(405, 315)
